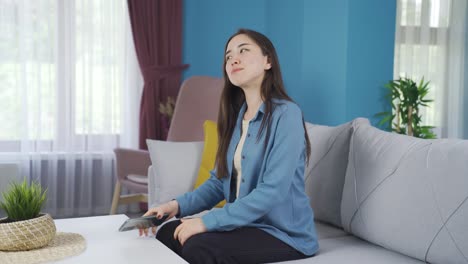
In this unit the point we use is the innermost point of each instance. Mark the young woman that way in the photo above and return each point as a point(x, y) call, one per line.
point(263, 147)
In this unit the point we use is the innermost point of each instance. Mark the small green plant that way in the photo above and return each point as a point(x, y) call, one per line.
point(23, 202)
point(406, 97)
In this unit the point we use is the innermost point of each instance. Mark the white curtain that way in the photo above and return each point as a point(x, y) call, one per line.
point(430, 43)
point(69, 94)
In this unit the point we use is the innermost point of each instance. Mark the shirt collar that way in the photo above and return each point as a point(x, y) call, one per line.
point(259, 114)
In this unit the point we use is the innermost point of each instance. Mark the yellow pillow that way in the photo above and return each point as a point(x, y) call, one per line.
point(209, 154)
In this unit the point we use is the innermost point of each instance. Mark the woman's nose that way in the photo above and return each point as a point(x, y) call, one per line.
point(234, 61)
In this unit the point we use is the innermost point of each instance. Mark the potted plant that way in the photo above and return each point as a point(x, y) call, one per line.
point(406, 97)
point(25, 227)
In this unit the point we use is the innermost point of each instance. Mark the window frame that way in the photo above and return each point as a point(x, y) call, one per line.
point(65, 88)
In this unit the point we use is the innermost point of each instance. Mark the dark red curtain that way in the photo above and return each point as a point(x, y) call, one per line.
point(157, 34)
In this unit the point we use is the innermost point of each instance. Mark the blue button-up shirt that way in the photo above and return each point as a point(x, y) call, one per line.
point(272, 194)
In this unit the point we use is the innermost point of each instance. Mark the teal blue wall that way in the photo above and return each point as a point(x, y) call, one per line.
point(370, 55)
point(323, 72)
point(335, 54)
point(285, 30)
point(207, 26)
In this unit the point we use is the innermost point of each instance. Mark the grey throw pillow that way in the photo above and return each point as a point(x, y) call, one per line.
point(175, 166)
point(325, 172)
point(408, 194)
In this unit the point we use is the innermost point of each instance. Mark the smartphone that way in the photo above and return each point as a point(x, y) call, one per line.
point(142, 222)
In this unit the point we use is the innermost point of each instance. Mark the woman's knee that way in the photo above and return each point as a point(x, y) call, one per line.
point(194, 247)
point(199, 249)
point(166, 232)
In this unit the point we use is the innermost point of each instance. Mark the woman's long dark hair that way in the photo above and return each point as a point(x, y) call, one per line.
point(232, 99)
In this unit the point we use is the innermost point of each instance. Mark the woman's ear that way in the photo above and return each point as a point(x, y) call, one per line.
point(268, 64)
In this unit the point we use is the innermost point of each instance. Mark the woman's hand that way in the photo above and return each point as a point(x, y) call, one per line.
point(188, 228)
point(171, 208)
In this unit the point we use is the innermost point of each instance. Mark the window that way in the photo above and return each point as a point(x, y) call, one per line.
point(61, 70)
point(421, 48)
point(413, 12)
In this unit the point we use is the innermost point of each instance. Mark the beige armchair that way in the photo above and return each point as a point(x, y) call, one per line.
point(197, 101)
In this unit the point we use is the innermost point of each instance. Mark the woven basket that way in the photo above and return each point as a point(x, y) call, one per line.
point(27, 234)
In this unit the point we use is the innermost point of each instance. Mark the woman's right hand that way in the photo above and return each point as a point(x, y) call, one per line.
point(170, 208)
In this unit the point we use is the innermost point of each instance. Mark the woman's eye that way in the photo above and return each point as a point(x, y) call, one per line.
point(242, 50)
point(228, 58)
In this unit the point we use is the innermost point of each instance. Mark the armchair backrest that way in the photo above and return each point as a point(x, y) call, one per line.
point(198, 100)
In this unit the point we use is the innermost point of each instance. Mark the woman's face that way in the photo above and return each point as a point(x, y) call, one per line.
point(245, 62)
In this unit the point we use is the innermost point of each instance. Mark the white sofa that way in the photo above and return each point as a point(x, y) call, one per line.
point(378, 197)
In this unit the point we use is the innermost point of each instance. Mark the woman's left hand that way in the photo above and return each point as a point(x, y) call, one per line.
point(188, 228)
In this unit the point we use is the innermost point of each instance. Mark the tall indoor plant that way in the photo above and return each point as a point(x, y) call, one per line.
point(406, 97)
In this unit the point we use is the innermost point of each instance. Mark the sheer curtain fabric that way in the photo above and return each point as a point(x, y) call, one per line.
point(430, 43)
point(69, 95)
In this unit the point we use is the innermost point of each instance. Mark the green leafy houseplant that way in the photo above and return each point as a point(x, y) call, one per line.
point(406, 97)
point(23, 202)
point(26, 227)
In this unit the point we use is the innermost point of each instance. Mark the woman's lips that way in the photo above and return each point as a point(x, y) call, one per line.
point(236, 70)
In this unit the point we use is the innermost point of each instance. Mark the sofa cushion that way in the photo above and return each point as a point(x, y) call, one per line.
point(209, 155)
point(408, 194)
point(175, 166)
point(328, 231)
point(337, 247)
point(352, 250)
point(325, 172)
point(143, 179)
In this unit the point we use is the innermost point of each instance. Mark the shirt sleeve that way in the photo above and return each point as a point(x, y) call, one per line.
point(281, 164)
point(203, 198)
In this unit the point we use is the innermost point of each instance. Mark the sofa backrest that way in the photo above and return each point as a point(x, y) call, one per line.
point(408, 194)
point(325, 172)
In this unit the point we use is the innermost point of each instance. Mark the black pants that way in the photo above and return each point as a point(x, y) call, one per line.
point(244, 245)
